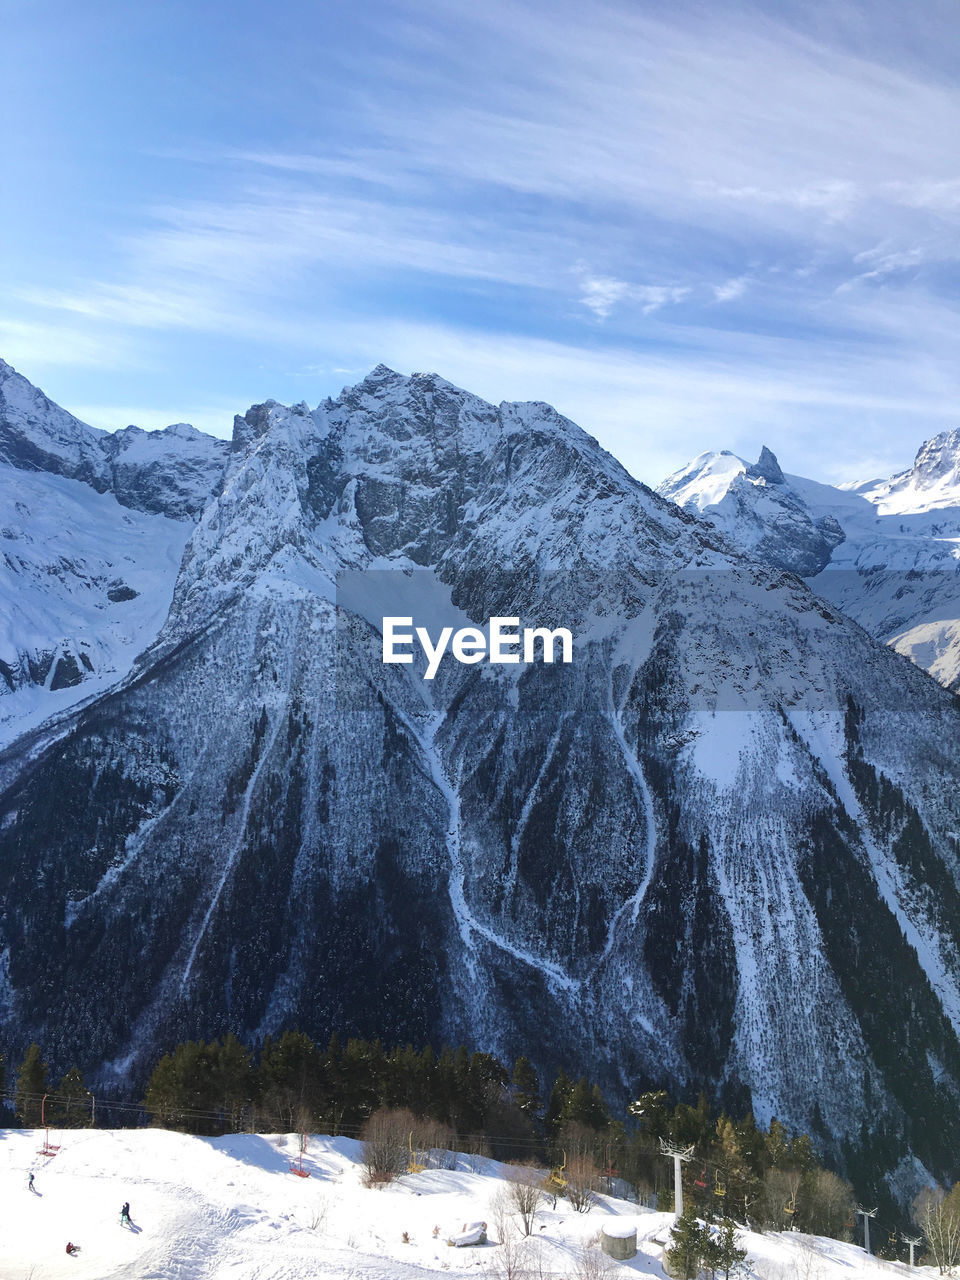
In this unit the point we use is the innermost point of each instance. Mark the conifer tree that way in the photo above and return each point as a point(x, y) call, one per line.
point(289, 1081)
point(31, 1086)
point(526, 1087)
point(163, 1098)
point(689, 1246)
point(725, 1255)
point(72, 1107)
point(556, 1104)
point(233, 1082)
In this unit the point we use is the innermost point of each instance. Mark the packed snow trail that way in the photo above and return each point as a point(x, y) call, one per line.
point(218, 1208)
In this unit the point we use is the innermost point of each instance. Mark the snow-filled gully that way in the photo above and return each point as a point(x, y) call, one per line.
point(467, 922)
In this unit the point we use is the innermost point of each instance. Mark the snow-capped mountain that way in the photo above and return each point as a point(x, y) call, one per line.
point(931, 484)
point(718, 849)
point(92, 529)
point(886, 552)
point(85, 585)
point(173, 472)
point(758, 510)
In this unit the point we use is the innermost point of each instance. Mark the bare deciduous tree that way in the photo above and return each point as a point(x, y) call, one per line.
point(591, 1263)
point(525, 1193)
point(583, 1180)
point(938, 1217)
point(514, 1258)
point(386, 1145)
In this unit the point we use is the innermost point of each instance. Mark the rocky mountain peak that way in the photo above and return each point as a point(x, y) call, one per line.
point(37, 435)
point(766, 468)
point(939, 458)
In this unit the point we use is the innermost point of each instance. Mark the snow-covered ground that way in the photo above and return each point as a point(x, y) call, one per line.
point(79, 575)
point(230, 1207)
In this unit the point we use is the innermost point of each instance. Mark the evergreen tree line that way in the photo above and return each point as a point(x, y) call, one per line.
point(470, 1101)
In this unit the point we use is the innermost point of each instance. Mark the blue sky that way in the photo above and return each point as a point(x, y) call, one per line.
point(689, 226)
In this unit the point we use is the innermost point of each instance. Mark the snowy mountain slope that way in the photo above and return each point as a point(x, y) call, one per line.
point(895, 566)
point(931, 484)
point(173, 472)
point(37, 435)
point(85, 584)
point(721, 843)
point(92, 527)
point(757, 508)
point(210, 1207)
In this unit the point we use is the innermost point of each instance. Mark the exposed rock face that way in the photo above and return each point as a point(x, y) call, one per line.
point(85, 583)
point(766, 468)
point(720, 844)
point(173, 472)
point(757, 509)
point(887, 552)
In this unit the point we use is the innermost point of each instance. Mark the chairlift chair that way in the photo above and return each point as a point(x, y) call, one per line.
point(414, 1164)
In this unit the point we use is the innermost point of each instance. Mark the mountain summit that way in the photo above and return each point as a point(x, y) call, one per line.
point(884, 551)
point(716, 850)
point(757, 509)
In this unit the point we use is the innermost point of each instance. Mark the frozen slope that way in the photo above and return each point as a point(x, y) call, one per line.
point(895, 566)
point(92, 527)
point(721, 844)
point(85, 585)
point(210, 1208)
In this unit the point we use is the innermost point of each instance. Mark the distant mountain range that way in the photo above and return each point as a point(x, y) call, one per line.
point(887, 552)
point(718, 850)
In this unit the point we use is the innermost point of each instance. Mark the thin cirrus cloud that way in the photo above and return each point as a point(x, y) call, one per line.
point(657, 194)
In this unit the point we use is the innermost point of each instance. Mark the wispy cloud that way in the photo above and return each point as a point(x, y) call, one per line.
point(602, 184)
point(600, 294)
point(731, 289)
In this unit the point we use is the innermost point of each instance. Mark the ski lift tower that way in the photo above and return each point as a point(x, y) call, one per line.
point(912, 1241)
point(678, 1155)
point(867, 1214)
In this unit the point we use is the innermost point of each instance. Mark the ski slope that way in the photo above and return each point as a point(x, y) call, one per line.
point(230, 1207)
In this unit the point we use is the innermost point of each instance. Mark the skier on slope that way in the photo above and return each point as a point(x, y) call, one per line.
point(125, 1214)
point(30, 1186)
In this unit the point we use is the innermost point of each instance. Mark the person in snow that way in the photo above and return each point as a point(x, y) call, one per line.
point(72, 1248)
point(30, 1183)
point(125, 1213)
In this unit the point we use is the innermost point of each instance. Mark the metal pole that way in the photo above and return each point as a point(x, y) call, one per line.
point(678, 1155)
point(867, 1215)
point(912, 1241)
